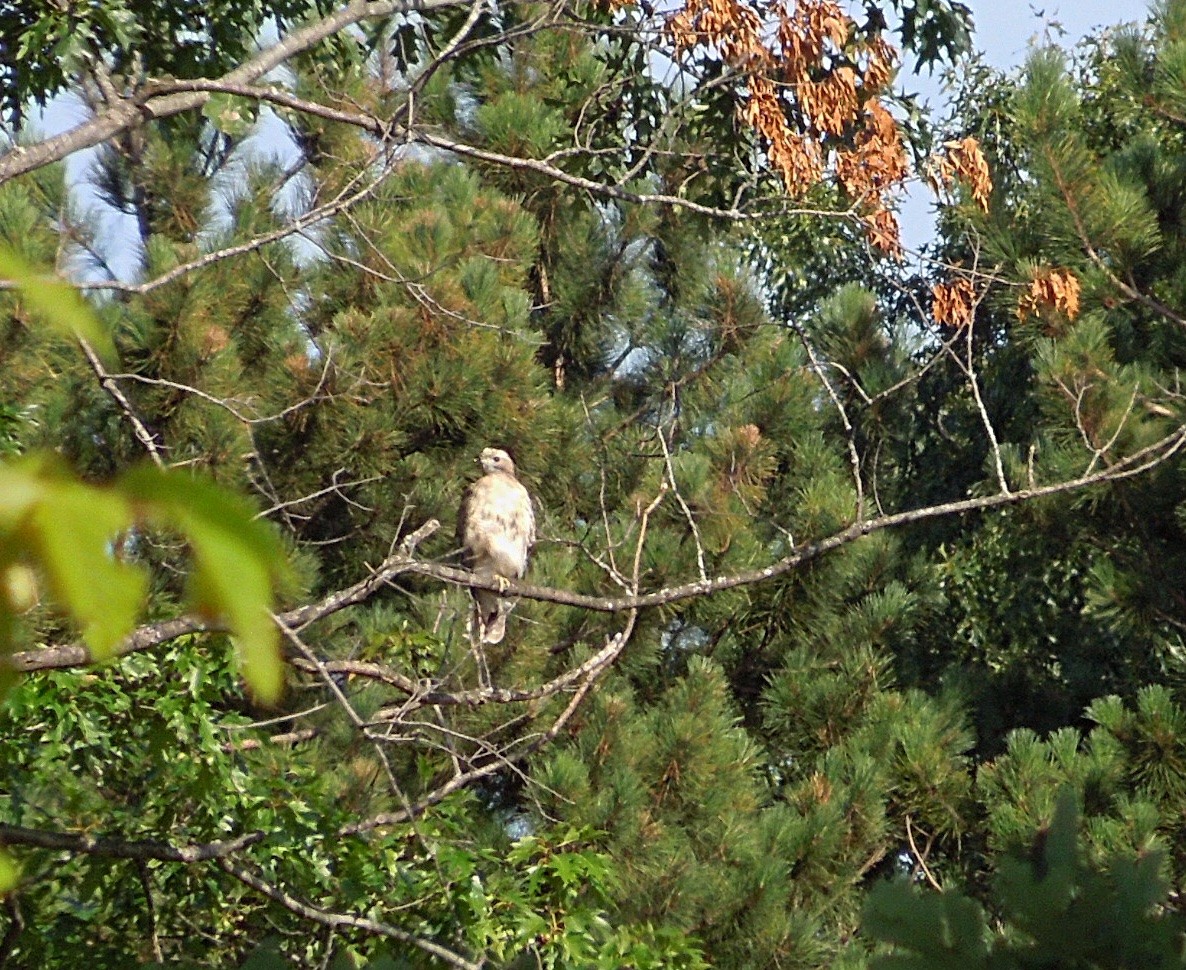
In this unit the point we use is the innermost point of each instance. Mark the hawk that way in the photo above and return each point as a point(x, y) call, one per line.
point(496, 530)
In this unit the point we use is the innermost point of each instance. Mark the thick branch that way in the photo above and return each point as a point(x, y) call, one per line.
point(382, 129)
point(130, 113)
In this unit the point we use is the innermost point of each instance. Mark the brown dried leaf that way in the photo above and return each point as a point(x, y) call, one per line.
point(965, 162)
point(813, 93)
point(1051, 289)
point(954, 303)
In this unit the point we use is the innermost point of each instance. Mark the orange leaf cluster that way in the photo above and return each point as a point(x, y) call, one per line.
point(1053, 289)
point(813, 89)
point(954, 303)
point(965, 162)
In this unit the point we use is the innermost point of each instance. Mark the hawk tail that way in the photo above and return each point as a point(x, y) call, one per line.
point(489, 617)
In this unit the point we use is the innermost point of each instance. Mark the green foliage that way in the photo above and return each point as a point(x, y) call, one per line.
point(66, 530)
point(1051, 909)
point(684, 400)
point(49, 42)
point(106, 745)
point(56, 303)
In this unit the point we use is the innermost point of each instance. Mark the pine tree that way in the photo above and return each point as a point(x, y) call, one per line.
point(536, 242)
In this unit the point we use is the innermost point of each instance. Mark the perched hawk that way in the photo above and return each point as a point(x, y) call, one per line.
point(496, 530)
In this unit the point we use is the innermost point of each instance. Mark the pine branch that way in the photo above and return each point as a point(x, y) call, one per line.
point(1093, 254)
point(345, 199)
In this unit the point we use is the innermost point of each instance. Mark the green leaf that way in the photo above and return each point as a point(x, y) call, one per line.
point(10, 872)
point(68, 529)
point(19, 491)
point(72, 528)
point(58, 303)
point(237, 563)
point(266, 956)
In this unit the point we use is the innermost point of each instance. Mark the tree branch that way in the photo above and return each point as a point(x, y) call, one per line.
point(129, 113)
point(341, 920)
point(125, 849)
point(402, 562)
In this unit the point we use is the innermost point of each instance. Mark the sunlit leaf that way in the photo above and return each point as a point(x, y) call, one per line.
point(237, 563)
point(58, 303)
point(10, 872)
point(231, 115)
point(228, 580)
point(73, 528)
point(20, 489)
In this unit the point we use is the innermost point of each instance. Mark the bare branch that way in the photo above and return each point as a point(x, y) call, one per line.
point(286, 738)
point(854, 456)
point(342, 920)
point(74, 655)
point(108, 383)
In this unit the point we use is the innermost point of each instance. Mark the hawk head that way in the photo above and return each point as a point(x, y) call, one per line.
point(496, 460)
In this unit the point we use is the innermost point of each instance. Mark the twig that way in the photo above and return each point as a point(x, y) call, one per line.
point(671, 483)
point(854, 456)
point(342, 920)
point(146, 884)
point(921, 857)
point(107, 382)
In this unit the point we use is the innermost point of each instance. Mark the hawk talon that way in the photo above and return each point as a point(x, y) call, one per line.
point(503, 583)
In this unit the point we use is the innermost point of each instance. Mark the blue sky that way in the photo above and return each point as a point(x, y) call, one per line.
point(1005, 31)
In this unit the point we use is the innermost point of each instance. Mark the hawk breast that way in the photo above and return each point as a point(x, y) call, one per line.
point(499, 526)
